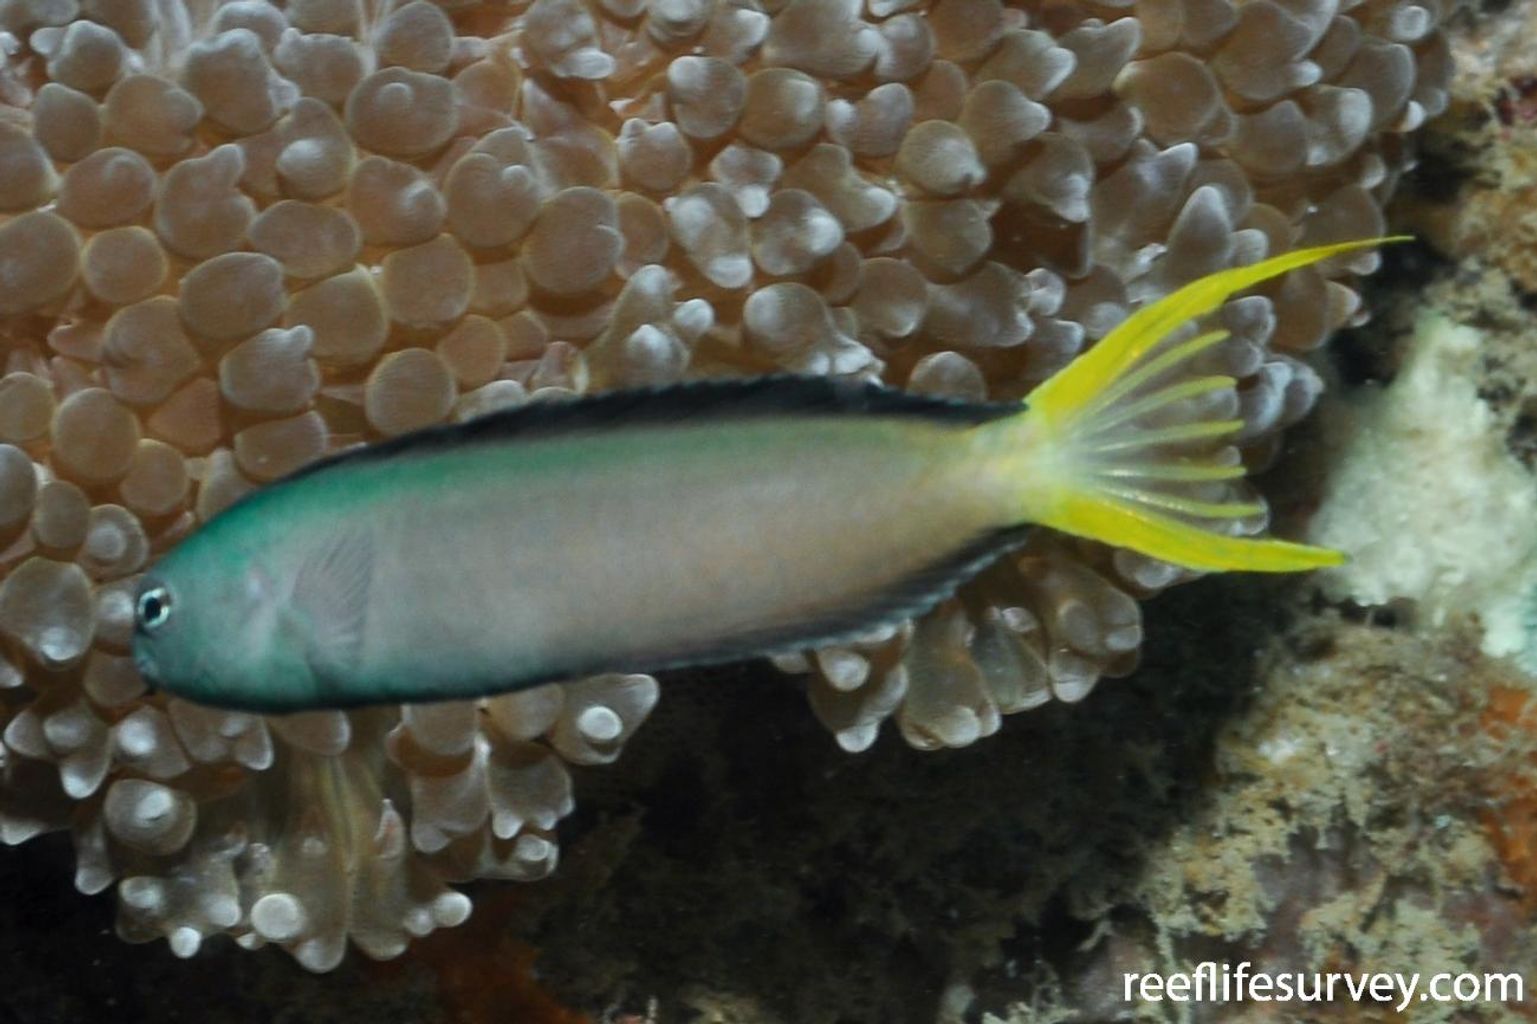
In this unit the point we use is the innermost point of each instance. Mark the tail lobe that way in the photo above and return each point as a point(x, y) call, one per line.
point(1125, 446)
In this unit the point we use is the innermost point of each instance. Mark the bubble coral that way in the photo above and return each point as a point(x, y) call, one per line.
point(238, 236)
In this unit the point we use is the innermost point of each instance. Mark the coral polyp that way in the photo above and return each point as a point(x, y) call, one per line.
point(239, 236)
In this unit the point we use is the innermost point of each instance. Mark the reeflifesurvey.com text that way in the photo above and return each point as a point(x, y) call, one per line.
point(1212, 982)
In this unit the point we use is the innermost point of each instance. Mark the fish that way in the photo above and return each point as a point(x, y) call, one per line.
point(699, 523)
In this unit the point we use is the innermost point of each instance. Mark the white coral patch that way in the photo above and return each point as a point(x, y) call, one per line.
point(1427, 501)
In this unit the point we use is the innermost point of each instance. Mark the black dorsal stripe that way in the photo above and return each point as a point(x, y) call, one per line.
point(719, 400)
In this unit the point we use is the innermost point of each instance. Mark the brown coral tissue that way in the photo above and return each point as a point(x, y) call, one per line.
point(237, 236)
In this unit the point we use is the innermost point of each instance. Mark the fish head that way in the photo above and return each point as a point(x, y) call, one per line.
point(211, 628)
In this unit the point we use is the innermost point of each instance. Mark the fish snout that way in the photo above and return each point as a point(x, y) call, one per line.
point(144, 661)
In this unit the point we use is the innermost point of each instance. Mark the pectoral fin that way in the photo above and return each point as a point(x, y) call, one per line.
point(330, 602)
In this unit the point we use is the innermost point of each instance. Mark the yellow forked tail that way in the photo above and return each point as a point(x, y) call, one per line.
point(1126, 445)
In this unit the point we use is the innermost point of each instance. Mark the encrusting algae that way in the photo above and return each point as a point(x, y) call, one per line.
point(239, 237)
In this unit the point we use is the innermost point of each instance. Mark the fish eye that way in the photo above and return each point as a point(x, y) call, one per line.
point(154, 607)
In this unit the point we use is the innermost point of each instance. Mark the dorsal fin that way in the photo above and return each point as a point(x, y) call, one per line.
point(719, 400)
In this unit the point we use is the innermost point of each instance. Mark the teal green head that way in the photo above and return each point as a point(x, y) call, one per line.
point(209, 620)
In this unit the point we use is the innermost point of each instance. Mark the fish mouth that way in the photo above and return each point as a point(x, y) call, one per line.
point(144, 661)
